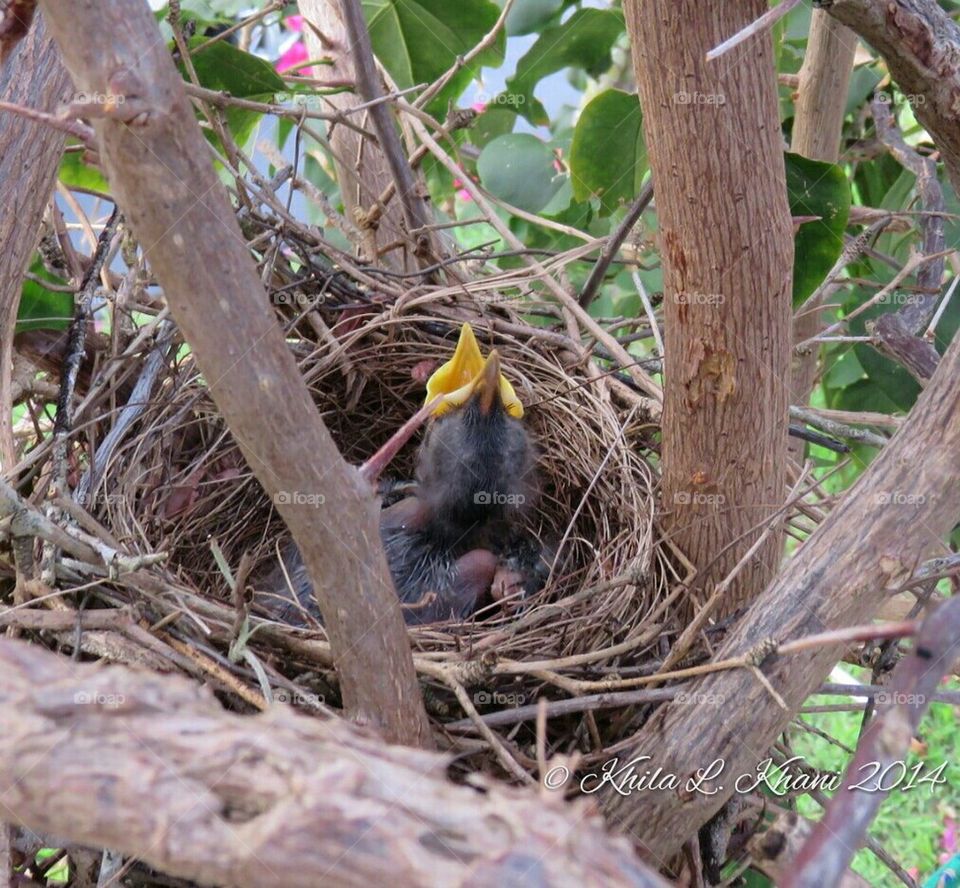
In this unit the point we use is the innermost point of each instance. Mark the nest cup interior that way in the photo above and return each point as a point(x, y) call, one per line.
point(182, 483)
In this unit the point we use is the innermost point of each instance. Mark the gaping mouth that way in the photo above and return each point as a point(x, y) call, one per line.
point(467, 375)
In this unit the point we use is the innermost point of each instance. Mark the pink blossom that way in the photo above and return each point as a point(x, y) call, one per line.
point(462, 192)
point(297, 53)
point(294, 56)
point(948, 841)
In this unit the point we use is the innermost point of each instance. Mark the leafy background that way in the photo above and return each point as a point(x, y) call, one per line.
point(558, 141)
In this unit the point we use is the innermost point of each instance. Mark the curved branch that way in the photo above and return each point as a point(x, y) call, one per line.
point(828, 851)
point(900, 509)
point(34, 77)
point(921, 46)
point(153, 767)
point(158, 165)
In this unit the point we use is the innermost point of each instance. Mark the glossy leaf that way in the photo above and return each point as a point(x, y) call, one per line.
point(583, 41)
point(223, 67)
point(40, 308)
point(819, 189)
point(518, 168)
point(418, 40)
point(607, 156)
point(529, 15)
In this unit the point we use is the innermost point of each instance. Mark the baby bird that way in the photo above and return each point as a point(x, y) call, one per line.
point(475, 478)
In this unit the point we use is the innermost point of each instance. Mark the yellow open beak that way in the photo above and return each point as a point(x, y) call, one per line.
point(465, 373)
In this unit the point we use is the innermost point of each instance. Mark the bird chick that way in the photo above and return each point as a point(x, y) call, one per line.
point(475, 478)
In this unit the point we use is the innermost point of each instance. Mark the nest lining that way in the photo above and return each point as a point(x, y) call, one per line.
point(181, 482)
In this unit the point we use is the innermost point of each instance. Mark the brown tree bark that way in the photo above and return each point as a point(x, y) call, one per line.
point(713, 135)
point(33, 76)
point(160, 171)
point(899, 511)
point(362, 169)
point(921, 46)
point(153, 767)
point(824, 84)
point(817, 126)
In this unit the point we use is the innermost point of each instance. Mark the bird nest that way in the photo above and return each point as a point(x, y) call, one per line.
point(176, 483)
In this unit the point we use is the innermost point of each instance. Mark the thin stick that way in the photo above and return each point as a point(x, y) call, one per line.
point(764, 23)
point(612, 247)
point(462, 61)
point(415, 210)
point(71, 127)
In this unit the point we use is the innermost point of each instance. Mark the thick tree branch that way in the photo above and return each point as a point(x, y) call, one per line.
point(159, 168)
point(896, 332)
point(727, 280)
point(921, 46)
point(900, 509)
point(817, 125)
point(157, 770)
point(368, 82)
point(362, 170)
point(33, 76)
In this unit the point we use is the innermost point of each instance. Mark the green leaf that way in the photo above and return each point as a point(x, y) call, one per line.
point(518, 168)
point(225, 68)
point(74, 173)
point(865, 396)
point(843, 371)
point(607, 156)
point(222, 66)
point(528, 16)
point(819, 189)
point(418, 40)
point(863, 81)
point(493, 122)
point(40, 308)
point(583, 41)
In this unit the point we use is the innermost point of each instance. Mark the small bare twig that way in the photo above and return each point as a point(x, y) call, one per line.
point(416, 214)
point(463, 61)
point(758, 26)
point(837, 429)
point(71, 127)
point(612, 246)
